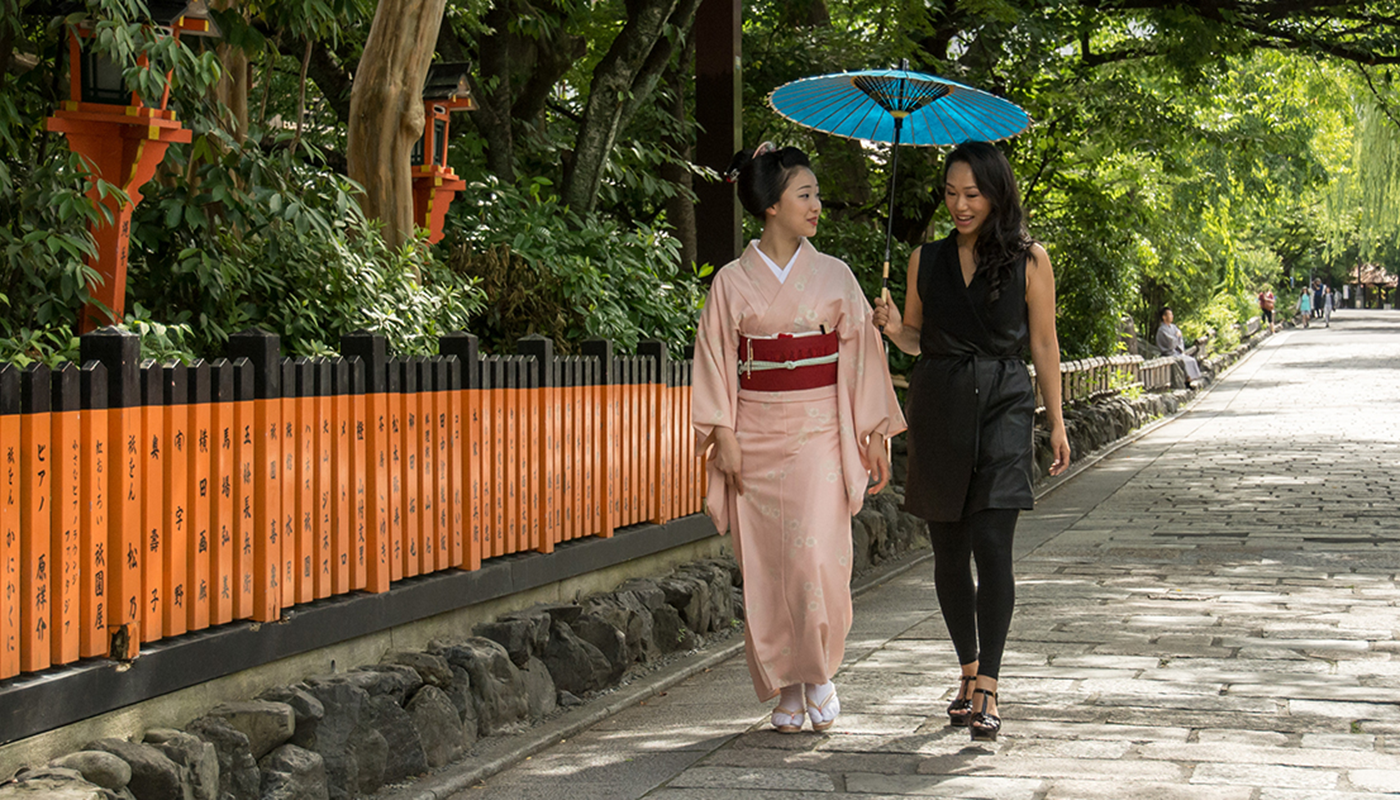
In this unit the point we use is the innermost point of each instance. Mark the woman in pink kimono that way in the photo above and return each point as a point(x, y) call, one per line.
point(793, 393)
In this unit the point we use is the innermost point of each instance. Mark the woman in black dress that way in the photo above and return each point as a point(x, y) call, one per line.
point(973, 303)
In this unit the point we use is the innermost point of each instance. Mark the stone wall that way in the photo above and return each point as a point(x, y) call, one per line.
point(338, 736)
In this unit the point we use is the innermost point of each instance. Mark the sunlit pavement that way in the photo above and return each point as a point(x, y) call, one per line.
point(1209, 612)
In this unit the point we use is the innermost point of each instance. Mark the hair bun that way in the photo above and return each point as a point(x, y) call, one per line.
point(740, 160)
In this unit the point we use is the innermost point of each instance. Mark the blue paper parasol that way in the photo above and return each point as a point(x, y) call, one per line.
point(897, 106)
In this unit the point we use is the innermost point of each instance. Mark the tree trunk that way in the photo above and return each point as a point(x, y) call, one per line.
point(386, 110)
point(232, 88)
point(680, 209)
point(492, 113)
point(8, 29)
point(331, 78)
point(621, 82)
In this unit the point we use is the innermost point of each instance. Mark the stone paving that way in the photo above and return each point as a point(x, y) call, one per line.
point(1211, 612)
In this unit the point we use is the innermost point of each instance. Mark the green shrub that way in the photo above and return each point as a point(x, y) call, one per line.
point(278, 241)
point(545, 270)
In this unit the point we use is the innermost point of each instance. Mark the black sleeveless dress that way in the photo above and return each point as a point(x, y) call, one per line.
point(971, 405)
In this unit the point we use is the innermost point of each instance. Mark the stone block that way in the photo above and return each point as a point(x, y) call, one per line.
point(610, 641)
point(266, 724)
point(306, 707)
point(738, 779)
point(238, 770)
point(671, 633)
point(541, 695)
point(1264, 775)
point(405, 757)
point(517, 636)
point(293, 773)
point(51, 787)
point(198, 757)
point(153, 775)
point(439, 727)
point(626, 612)
point(559, 612)
point(574, 664)
point(432, 670)
point(102, 768)
point(353, 752)
point(497, 687)
point(391, 680)
point(645, 591)
point(691, 597)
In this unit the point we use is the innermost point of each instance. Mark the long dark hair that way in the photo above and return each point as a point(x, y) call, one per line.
point(1003, 240)
point(762, 179)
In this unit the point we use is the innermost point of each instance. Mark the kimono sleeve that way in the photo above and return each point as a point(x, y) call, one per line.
point(865, 373)
point(715, 383)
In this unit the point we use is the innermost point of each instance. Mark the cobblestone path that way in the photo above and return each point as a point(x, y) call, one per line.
point(1211, 612)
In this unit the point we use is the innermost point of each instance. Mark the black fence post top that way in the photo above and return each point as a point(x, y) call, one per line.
point(221, 380)
point(197, 375)
point(36, 396)
point(151, 380)
point(94, 385)
point(9, 390)
point(654, 348)
point(601, 349)
point(288, 368)
point(244, 380)
point(327, 384)
point(175, 383)
point(67, 388)
point(306, 377)
point(263, 351)
point(541, 347)
point(120, 351)
point(372, 350)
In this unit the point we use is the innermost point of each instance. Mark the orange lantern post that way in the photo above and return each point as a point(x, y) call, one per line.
point(434, 183)
point(122, 138)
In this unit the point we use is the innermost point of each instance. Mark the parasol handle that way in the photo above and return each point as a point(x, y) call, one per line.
point(889, 223)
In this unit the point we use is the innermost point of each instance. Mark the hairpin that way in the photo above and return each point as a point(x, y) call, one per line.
point(763, 149)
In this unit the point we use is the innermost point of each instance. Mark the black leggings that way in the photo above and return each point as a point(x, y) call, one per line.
point(980, 612)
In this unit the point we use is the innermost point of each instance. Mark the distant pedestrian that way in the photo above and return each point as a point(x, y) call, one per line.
point(1318, 290)
point(1327, 303)
point(1266, 307)
point(1305, 307)
point(1172, 343)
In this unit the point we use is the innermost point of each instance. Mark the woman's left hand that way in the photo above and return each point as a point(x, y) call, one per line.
point(1059, 445)
point(878, 462)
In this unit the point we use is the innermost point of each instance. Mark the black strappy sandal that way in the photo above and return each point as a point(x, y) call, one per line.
point(984, 726)
point(961, 708)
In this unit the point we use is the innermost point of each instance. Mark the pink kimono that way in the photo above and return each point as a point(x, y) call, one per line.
point(803, 457)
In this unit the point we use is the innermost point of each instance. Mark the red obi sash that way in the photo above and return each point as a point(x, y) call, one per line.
point(788, 362)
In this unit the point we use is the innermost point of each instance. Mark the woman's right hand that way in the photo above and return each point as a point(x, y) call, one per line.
point(887, 317)
point(727, 458)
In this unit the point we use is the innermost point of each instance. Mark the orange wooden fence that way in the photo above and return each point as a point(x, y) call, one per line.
point(140, 501)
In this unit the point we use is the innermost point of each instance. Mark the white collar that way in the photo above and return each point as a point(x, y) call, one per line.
point(780, 273)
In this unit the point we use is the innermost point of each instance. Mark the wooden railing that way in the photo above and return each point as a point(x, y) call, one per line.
point(1089, 379)
point(140, 501)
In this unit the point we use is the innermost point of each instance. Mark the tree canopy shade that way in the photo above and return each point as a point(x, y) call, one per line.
point(1359, 32)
